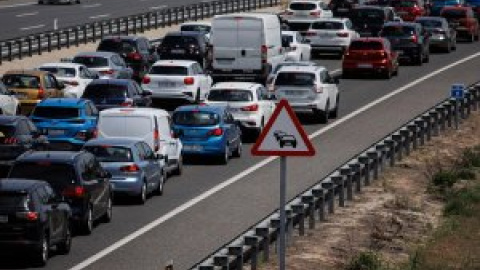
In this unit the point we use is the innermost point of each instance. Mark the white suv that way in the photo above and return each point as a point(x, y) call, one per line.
point(308, 88)
point(331, 35)
point(177, 79)
point(300, 14)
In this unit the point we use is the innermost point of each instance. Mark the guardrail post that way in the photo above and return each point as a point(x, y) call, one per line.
point(289, 225)
point(195, 13)
point(252, 242)
point(249, 3)
point(39, 46)
point(110, 27)
point(347, 173)
point(391, 151)
point(366, 163)
point(299, 210)
point(462, 108)
point(339, 182)
point(428, 126)
point(260, 3)
point(67, 38)
point(1, 53)
point(134, 24)
point(155, 20)
point(202, 10)
point(94, 32)
point(142, 26)
point(127, 27)
point(373, 155)
point(421, 129)
point(237, 251)
point(310, 201)
point(119, 26)
point(318, 193)
point(474, 92)
point(356, 175)
point(468, 96)
point(275, 224)
point(29, 44)
point(264, 233)
point(85, 34)
point(407, 140)
point(330, 195)
point(9, 47)
point(398, 138)
point(76, 35)
point(20, 51)
point(222, 261)
point(49, 42)
point(380, 148)
point(414, 130)
point(441, 117)
point(434, 116)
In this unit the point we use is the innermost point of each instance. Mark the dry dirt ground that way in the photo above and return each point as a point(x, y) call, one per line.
point(390, 217)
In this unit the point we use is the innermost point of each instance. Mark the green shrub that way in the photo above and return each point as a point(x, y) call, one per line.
point(470, 157)
point(444, 178)
point(465, 174)
point(462, 202)
point(365, 261)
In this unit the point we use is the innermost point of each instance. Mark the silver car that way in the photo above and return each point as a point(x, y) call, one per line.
point(108, 65)
point(441, 34)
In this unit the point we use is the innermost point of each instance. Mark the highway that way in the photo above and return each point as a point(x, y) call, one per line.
point(211, 204)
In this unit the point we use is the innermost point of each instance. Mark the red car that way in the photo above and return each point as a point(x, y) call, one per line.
point(463, 20)
point(409, 10)
point(370, 55)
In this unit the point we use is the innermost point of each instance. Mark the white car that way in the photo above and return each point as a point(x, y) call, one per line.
point(204, 27)
point(300, 14)
point(308, 89)
point(332, 35)
point(249, 103)
point(297, 49)
point(75, 77)
point(177, 79)
point(272, 74)
point(9, 104)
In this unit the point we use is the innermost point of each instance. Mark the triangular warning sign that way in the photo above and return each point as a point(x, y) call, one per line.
point(283, 135)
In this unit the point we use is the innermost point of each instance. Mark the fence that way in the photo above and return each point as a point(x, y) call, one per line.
point(341, 185)
point(91, 32)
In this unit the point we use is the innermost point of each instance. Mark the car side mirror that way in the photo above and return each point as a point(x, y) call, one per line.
point(61, 85)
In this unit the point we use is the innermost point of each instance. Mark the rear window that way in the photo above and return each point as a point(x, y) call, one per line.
point(168, 70)
point(403, 3)
point(91, 61)
point(107, 153)
point(61, 71)
point(56, 112)
point(430, 23)
point(299, 26)
point(398, 31)
point(96, 91)
point(366, 45)
point(327, 25)
point(286, 40)
point(303, 6)
point(368, 15)
point(13, 200)
point(117, 46)
point(125, 126)
point(230, 95)
point(21, 81)
point(6, 131)
point(454, 14)
point(170, 41)
point(195, 118)
point(295, 79)
point(59, 175)
point(196, 28)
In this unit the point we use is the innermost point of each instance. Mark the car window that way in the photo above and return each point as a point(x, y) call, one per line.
point(326, 25)
point(88, 110)
point(48, 82)
point(110, 153)
point(430, 23)
point(348, 24)
point(195, 118)
point(91, 169)
point(53, 112)
point(3, 89)
point(398, 31)
point(58, 175)
point(83, 73)
point(302, 6)
point(197, 68)
point(116, 60)
point(168, 70)
point(31, 126)
point(295, 78)
point(366, 45)
point(91, 61)
point(22, 128)
point(231, 95)
point(93, 109)
point(99, 91)
point(141, 151)
point(142, 45)
point(61, 71)
point(147, 149)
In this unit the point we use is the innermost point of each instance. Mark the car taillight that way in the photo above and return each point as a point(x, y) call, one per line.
point(10, 140)
point(342, 34)
point(41, 93)
point(95, 133)
point(215, 132)
point(81, 135)
point(414, 39)
point(289, 13)
point(106, 72)
point(189, 80)
point(264, 51)
point(250, 108)
point(315, 13)
point(146, 80)
point(156, 139)
point(318, 88)
point(135, 56)
point(127, 103)
point(130, 168)
point(439, 32)
point(74, 192)
point(30, 216)
point(383, 54)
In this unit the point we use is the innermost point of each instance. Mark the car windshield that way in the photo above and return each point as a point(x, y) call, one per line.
point(59, 175)
point(108, 153)
point(230, 95)
point(13, 200)
point(295, 79)
point(430, 23)
point(195, 118)
point(398, 31)
point(327, 25)
point(303, 6)
point(23, 81)
point(56, 112)
point(170, 41)
point(279, 66)
point(98, 91)
point(117, 46)
point(196, 28)
point(371, 15)
point(366, 45)
point(169, 70)
point(91, 61)
point(6, 131)
point(60, 71)
point(403, 3)
point(454, 14)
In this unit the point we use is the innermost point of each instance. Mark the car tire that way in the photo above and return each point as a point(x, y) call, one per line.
point(427, 58)
point(387, 74)
point(142, 197)
point(179, 169)
point(454, 45)
point(238, 151)
point(86, 225)
point(40, 2)
point(161, 183)
point(66, 244)
point(42, 251)
point(346, 75)
point(18, 111)
point(472, 38)
point(418, 61)
point(323, 115)
point(77, 1)
point(224, 158)
point(448, 48)
point(198, 98)
point(334, 112)
point(107, 216)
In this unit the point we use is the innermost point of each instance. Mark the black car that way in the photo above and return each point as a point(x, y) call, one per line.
point(184, 45)
point(369, 20)
point(342, 8)
point(33, 218)
point(410, 40)
point(78, 176)
point(113, 93)
point(136, 51)
point(17, 135)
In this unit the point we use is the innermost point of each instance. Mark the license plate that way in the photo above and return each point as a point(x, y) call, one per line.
point(364, 65)
point(178, 51)
point(342, 9)
point(292, 92)
point(56, 132)
point(194, 148)
point(21, 95)
point(3, 219)
point(166, 84)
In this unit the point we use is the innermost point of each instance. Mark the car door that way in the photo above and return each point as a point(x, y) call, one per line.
point(172, 144)
point(328, 82)
point(267, 105)
point(152, 167)
point(230, 130)
point(57, 217)
point(92, 184)
point(203, 80)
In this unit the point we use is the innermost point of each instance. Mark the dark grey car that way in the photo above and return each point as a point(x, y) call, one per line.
point(441, 34)
point(108, 65)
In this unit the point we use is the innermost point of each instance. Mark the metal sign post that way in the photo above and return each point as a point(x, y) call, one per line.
point(283, 219)
point(457, 92)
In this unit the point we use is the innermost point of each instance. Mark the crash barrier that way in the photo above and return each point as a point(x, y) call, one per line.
point(319, 201)
point(91, 32)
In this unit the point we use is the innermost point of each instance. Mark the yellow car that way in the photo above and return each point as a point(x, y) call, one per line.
point(31, 87)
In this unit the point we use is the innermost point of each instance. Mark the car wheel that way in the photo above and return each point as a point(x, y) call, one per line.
point(427, 57)
point(449, 47)
point(78, 1)
point(107, 217)
point(161, 182)
point(238, 151)
point(40, 2)
point(454, 45)
point(198, 97)
point(418, 61)
point(87, 224)
point(179, 169)
point(346, 75)
point(18, 111)
point(472, 38)
point(41, 253)
point(142, 197)
point(387, 74)
point(65, 246)
point(476, 37)
point(225, 155)
point(323, 115)
point(334, 113)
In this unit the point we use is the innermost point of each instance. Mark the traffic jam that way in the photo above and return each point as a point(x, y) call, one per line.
point(119, 122)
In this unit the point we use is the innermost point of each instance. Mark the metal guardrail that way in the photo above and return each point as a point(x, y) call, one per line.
point(318, 201)
point(91, 32)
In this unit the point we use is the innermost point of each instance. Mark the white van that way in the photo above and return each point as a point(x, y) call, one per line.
point(245, 45)
point(148, 124)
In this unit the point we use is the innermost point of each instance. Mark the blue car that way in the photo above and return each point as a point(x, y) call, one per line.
point(208, 130)
point(136, 170)
point(67, 122)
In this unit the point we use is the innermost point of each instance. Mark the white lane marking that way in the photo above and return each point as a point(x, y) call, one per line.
point(99, 16)
point(26, 14)
point(92, 5)
point(158, 7)
point(55, 24)
point(32, 27)
point(185, 206)
point(18, 5)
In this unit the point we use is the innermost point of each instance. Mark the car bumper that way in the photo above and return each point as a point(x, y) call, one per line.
point(371, 67)
point(65, 144)
point(439, 42)
point(127, 185)
point(211, 148)
point(249, 121)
